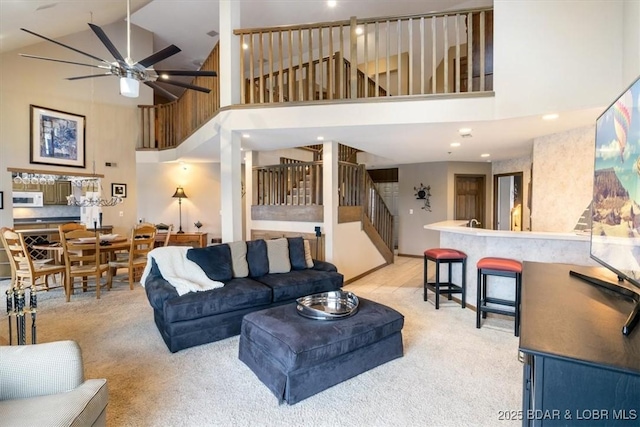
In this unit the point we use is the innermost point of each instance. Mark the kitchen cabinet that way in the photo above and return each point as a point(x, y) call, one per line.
point(52, 194)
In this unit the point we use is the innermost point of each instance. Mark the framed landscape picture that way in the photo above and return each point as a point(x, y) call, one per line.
point(119, 190)
point(57, 137)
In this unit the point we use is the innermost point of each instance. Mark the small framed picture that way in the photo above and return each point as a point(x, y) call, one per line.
point(1, 199)
point(119, 190)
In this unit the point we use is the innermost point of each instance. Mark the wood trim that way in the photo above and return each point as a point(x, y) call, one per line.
point(411, 256)
point(366, 273)
point(303, 213)
point(349, 214)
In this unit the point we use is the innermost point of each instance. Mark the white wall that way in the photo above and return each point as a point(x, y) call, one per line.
point(111, 120)
point(562, 179)
point(631, 37)
point(552, 56)
point(413, 239)
point(351, 262)
point(201, 183)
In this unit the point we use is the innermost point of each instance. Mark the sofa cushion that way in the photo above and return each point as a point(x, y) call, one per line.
point(239, 258)
point(235, 295)
point(215, 261)
point(278, 254)
point(257, 258)
point(298, 283)
point(296, 253)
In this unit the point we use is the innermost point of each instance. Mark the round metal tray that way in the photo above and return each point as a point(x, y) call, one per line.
point(328, 305)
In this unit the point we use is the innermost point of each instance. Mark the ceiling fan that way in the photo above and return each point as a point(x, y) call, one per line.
point(131, 73)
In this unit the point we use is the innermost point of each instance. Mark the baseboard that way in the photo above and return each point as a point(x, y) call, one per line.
point(411, 256)
point(366, 273)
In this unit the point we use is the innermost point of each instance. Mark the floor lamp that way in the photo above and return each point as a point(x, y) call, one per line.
point(180, 195)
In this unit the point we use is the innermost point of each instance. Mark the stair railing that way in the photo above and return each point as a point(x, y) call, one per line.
point(288, 184)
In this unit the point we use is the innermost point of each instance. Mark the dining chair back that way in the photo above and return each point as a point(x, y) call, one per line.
point(143, 237)
point(168, 236)
point(70, 226)
point(82, 258)
point(26, 271)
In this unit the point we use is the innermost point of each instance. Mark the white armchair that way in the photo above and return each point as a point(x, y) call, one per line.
point(44, 385)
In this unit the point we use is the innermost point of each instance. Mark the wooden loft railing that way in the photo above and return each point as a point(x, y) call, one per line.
point(441, 53)
point(165, 126)
point(421, 54)
point(266, 89)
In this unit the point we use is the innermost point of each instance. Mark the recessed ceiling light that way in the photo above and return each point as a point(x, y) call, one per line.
point(455, 144)
point(245, 46)
point(359, 30)
point(485, 155)
point(246, 135)
point(164, 76)
point(320, 138)
point(464, 131)
point(332, 3)
point(552, 116)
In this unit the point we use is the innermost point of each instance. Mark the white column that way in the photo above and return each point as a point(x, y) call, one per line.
point(250, 159)
point(329, 195)
point(229, 72)
point(230, 194)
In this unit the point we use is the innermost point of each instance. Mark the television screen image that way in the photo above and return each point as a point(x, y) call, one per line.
point(615, 208)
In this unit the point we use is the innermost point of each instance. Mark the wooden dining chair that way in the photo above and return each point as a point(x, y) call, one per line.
point(70, 226)
point(25, 270)
point(168, 236)
point(143, 238)
point(82, 258)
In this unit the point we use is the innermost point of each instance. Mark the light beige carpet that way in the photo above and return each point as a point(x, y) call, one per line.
point(452, 374)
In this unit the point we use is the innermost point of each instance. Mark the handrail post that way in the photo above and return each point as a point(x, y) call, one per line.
point(354, 58)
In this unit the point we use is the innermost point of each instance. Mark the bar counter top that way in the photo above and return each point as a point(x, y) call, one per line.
point(461, 228)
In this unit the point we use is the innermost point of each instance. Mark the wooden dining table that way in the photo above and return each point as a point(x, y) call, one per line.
point(55, 249)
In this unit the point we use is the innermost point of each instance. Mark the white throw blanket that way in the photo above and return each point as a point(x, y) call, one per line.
point(182, 273)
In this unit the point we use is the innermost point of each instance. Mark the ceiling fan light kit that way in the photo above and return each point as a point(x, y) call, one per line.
point(130, 73)
point(129, 87)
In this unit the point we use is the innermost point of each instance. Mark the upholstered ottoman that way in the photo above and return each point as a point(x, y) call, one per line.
point(297, 357)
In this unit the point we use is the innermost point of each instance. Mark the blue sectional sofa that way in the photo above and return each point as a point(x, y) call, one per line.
point(256, 274)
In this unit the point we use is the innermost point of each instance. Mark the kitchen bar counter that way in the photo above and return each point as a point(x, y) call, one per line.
point(569, 248)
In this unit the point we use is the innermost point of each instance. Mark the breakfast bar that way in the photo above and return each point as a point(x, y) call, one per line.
point(538, 246)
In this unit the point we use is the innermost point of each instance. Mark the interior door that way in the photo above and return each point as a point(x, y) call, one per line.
point(470, 198)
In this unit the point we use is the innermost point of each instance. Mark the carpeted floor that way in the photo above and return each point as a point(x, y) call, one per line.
point(452, 374)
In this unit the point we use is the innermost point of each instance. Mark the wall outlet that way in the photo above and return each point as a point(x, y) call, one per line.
point(121, 213)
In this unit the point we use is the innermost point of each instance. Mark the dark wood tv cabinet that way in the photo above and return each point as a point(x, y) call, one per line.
point(579, 369)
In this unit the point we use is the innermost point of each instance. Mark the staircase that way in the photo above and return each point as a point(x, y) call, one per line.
point(292, 191)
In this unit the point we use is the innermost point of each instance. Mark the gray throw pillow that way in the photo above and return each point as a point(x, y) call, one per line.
point(307, 254)
point(278, 253)
point(239, 258)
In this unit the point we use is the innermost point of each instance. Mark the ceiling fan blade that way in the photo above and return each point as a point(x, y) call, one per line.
point(187, 73)
point(106, 42)
point(159, 56)
point(89, 76)
point(185, 85)
point(162, 90)
point(64, 45)
point(63, 61)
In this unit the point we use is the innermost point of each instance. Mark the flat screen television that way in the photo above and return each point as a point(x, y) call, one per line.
point(615, 208)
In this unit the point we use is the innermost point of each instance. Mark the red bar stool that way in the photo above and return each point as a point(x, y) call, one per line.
point(449, 257)
point(505, 267)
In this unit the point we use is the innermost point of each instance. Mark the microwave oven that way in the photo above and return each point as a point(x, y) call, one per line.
point(27, 199)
